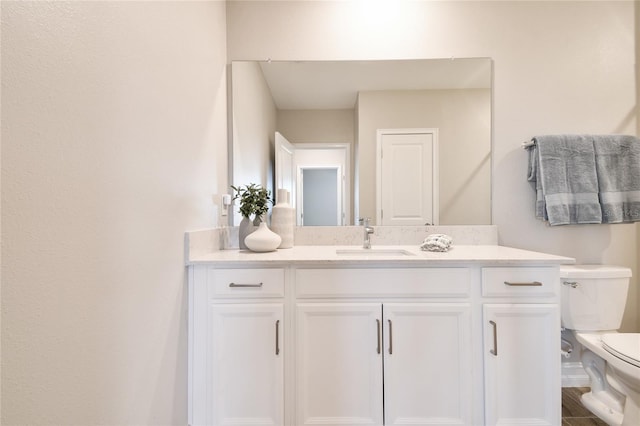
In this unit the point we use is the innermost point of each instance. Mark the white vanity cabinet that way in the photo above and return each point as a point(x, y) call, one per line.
point(383, 346)
point(338, 370)
point(237, 368)
point(427, 363)
point(521, 346)
point(279, 339)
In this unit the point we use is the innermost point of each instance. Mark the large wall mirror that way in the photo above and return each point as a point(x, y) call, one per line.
point(398, 141)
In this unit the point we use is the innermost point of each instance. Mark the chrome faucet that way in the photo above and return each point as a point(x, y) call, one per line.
point(368, 230)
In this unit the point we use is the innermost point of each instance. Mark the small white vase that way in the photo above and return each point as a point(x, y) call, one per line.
point(283, 219)
point(263, 239)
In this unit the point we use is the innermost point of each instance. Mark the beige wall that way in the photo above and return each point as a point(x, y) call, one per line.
point(313, 126)
point(113, 143)
point(253, 127)
point(637, 22)
point(637, 62)
point(463, 120)
point(559, 67)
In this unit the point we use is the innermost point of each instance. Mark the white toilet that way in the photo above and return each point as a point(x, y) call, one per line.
point(593, 301)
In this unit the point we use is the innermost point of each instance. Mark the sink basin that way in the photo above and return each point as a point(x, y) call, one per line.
point(373, 252)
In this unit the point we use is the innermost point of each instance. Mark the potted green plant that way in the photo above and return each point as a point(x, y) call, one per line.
point(254, 201)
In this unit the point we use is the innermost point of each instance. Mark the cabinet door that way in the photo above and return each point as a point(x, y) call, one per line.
point(522, 364)
point(246, 364)
point(427, 364)
point(339, 364)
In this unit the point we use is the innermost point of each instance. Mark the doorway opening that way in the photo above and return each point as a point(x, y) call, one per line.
point(320, 196)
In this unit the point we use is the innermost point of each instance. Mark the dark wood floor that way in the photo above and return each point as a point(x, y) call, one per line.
point(574, 413)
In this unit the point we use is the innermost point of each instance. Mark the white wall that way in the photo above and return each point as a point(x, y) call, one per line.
point(559, 67)
point(113, 142)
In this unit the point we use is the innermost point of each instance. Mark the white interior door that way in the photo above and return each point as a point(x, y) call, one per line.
point(407, 177)
point(285, 166)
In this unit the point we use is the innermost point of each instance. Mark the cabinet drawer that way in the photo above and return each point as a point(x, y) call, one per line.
point(520, 282)
point(245, 283)
point(409, 282)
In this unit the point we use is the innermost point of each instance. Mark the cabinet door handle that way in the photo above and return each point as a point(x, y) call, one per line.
point(277, 337)
point(244, 285)
point(378, 330)
point(525, 284)
point(390, 338)
point(494, 351)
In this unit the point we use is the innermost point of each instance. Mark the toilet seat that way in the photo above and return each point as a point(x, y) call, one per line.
point(625, 346)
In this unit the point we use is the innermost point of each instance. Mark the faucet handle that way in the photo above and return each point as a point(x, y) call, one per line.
point(364, 221)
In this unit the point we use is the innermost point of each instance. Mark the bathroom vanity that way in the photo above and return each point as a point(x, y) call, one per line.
point(338, 335)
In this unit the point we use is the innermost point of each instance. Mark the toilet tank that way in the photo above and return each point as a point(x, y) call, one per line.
point(593, 296)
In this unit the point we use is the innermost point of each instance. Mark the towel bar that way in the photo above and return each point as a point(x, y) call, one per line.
point(527, 144)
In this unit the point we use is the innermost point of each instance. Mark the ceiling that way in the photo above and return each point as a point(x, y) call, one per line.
point(335, 84)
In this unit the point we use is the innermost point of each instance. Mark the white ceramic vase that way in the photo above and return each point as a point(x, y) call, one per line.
point(263, 239)
point(283, 219)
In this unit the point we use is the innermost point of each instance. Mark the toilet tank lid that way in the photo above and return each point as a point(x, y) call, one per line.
point(594, 271)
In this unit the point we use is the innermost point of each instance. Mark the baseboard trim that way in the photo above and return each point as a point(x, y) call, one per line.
point(573, 375)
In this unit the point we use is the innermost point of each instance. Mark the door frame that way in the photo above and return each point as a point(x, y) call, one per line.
point(345, 190)
point(434, 169)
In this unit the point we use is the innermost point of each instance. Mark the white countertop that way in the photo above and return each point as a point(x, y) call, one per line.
point(326, 255)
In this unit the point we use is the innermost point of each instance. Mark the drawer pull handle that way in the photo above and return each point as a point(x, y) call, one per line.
point(378, 332)
point(572, 284)
point(494, 351)
point(390, 339)
point(234, 285)
point(529, 284)
point(277, 337)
